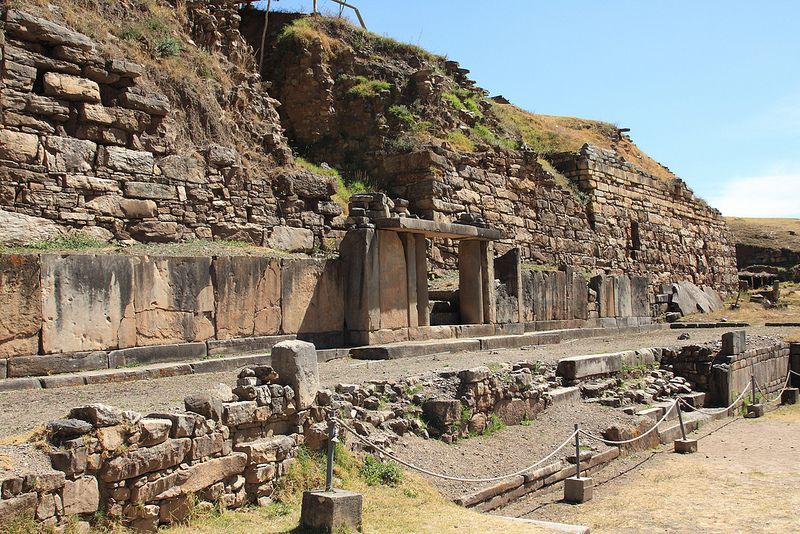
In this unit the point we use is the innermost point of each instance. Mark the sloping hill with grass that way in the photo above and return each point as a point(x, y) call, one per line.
point(766, 233)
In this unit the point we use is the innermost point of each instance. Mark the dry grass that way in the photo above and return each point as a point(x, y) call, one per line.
point(768, 233)
point(755, 313)
point(549, 134)
point(412, 506)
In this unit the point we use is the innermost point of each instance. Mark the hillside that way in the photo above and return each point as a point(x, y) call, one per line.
point(766, 233)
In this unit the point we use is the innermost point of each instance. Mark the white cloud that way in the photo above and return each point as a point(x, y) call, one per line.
point(776, 195)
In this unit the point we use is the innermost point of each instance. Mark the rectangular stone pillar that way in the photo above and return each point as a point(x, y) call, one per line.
point(410, 249)
point(421, 246)
point(359, 250)
point(393, 284)
point(470, 282)
point(487, 282)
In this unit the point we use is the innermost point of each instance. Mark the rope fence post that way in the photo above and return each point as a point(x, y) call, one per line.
point(332, 440)
point(577, 489)
point(684, 445)
point(756, 409)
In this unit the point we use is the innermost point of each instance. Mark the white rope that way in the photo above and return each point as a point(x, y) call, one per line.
point(612, 442)
point(447, 477)
point(716, 410)
point(780, 393)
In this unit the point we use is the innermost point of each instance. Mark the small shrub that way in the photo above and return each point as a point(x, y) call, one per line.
point(491, 139)
point(453, 99)
point(495, 424)
point(403, 115)
point(375, 472)
point(166, 47)
point(460, 141)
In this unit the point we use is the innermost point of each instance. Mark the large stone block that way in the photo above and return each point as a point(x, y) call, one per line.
point(81, 496)
point(312, 296)
point(296, 365)
point(146, 460)
point(18, 146)
point(67, 154)
point(14, 508)
point(87, 303)
point(203, 475)
point(359, 251)
point(331, 512)
point(622, 286)
point(42, 365)
point(125, 160)
point(640, 296)
point(69, 87)
point(291, 239)
point(734, 343)
point(579, 367)
point(248, 296)
point(393, 283)
point(21, 302)
point(27, 27)
point(174, 300)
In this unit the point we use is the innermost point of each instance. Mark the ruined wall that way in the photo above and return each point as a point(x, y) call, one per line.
point(170, 308)
point(747, 255)
point(87, 141)
point(619, 220)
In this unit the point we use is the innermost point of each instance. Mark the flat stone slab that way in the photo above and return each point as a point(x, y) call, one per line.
point(438, 229)
point(157, 354)
point(678, 326)
point(548, 525)
point(247, 345)
point(409, 350)
point(579, 367)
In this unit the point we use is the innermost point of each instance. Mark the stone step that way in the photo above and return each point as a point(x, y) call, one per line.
point(678, 326)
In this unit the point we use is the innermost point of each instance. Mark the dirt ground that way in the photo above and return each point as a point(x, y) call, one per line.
point(22, 411)
point(743, 479)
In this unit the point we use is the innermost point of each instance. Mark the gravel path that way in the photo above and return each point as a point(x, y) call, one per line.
point(740, 481)
point(22, 411)
point(508, 450)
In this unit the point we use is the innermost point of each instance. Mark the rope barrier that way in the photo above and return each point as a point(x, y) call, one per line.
point(780, 393)
point(448, 477)
point(625, 442)
point(716, 410)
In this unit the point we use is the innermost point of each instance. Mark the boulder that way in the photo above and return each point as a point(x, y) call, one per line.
point(126, 160)
point(154, 431)
point(291, 239)
point(296, 365)
point(146, 460)
point(98, 415)
point(687, 298)
point(274, 449)
point(69, 155)
point(221, 156)
point(19, 229)
point(27, 27)
point(62, 430)
point(305, 184)
point(209, 406)
point(139, 99)
point(442, 413)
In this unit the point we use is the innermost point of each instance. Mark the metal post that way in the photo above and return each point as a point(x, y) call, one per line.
point(753, 386)
point(680, 420)
point(577, 451)
point(332, 440)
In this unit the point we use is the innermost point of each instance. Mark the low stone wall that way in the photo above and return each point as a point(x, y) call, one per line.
point(66, 313)
point(229, 448)
point(724, 376)
point(794, 363)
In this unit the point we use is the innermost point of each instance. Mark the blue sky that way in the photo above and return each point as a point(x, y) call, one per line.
point(710, 88)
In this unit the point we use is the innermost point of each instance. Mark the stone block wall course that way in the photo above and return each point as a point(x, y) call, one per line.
point(85, 141)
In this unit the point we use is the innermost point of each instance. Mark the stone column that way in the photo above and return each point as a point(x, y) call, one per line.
point(359, 250)
point(410, 250)
point(421, 246)
point(470, 282)
point(487, 282)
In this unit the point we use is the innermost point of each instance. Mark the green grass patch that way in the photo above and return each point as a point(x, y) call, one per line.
point(491, 139)
point(154, 35)
point(367, 88)
point(377, 473)
point(403, 115)
point(460, 141)
point(73, 241)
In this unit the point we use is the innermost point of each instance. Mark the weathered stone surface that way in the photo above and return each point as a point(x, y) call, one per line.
point(312, 296)
point(126, 208)
point(305, 184)
point(26, 26)
point(209, 406)
point(393, 285)
point(248, 296)
point(734, 343)
point(154, 431)
point(182, 424)
point(66, 429)
point(18, 146)
point(71, 87)
point(204, 446)
point(142, 100)
point(19, 229)
point(20, 300)
point(205, 474)
point(175, 510)
point(640, 302)
point(174, 300)
point(152, 191)
point(99, 314)
point(578, 367)
point(239, 413)
point(623, 296)
point(91, 183)
point(291, 239)
point(359, 252)
point(127, 69)
point(125, 160)
point(274, 449)
point(71, 461)
point(69, 155)
point(99, 415)
point(81, 496)
point(688, 298)
point(142, 461)
point(296, 365)
point(12, 509)
point(221, 156)
point(58, 363)
point(185, 168)
point(150, 354)
point(441, 413)
point(331, 511)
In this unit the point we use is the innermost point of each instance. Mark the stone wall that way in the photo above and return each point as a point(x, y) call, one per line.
point(229, 448)
point(615, 220)
point(747, 255)
point(724, 376)
point(66, 313)
point(88, 142)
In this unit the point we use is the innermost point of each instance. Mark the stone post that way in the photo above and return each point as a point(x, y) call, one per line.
point(470, 282)
point(421, 245)
point(410, 250)
point(296, 365)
